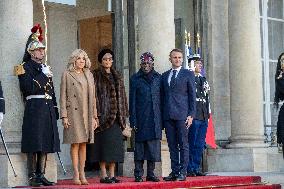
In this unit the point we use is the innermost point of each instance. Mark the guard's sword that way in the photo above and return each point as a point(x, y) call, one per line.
point(7, 152)
point(61, 163)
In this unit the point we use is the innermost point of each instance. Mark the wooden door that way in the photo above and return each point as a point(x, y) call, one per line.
point(95, 34)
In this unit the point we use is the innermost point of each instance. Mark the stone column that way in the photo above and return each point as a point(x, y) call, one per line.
point(16, 20)
point(156, 33)
point(156, 30)
point(245, 75)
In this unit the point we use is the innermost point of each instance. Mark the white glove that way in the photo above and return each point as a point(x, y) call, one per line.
point(46, 70)
point(206, 87)
point(1, 117)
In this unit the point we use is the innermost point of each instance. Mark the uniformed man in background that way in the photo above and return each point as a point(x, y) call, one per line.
point(198, 129)
point(39, 130)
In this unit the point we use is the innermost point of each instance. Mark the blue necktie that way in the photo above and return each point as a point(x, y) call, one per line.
point(173, 78)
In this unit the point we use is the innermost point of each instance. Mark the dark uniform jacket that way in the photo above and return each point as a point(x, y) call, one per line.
point(145, 106)
point(202, 100)
point(2, 101)
point(39, 130)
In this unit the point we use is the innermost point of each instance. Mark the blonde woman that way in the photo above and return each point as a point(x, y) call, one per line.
point(78, 110)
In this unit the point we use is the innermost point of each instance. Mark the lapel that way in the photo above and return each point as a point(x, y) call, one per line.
point(86, 73)
point(73, 75)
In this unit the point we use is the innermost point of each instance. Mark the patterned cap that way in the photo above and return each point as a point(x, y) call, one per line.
point(147, 57)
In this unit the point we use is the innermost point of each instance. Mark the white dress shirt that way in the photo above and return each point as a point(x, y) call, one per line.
point(171, 73)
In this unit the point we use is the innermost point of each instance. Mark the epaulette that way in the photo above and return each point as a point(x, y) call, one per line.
point(19, 69)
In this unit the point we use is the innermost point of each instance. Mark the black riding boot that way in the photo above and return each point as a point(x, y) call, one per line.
point(32, 164)
point(41, 163)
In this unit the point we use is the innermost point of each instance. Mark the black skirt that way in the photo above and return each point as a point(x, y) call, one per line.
point(108, 146)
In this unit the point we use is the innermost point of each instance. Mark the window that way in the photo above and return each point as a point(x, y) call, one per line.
point(272, 45)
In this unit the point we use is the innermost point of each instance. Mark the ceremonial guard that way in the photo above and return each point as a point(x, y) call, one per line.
point(146, 117)
point(2, 104)
point(39, 130)
point(197, 131)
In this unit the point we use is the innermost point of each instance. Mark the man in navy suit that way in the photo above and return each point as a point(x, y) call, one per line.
point(178, 104)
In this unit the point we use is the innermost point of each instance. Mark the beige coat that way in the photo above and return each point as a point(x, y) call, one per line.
point(71, 106)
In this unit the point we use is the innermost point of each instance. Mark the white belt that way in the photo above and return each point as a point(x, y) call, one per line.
point(46, 96)
point(200, 100)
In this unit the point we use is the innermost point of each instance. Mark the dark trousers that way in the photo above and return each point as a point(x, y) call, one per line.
point(196, 140)
point(177, 137)
point(139, 171)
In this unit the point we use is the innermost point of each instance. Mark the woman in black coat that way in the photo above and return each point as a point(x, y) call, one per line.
point(279, 96)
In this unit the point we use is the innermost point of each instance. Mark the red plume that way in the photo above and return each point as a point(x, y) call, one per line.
point(36, 28)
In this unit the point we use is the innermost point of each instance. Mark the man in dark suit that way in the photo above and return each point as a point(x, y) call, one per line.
point(2, 104)
point(178, 104)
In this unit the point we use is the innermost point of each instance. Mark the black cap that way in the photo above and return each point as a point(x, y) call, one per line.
point(103, 52)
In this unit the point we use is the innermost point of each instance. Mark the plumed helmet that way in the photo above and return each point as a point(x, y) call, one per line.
point(35, 39)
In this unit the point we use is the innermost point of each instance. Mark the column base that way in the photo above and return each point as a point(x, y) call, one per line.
point(244, 160)
point(19, 161)
point(247, 141)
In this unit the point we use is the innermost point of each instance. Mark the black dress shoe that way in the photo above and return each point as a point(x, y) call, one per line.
point(35, 181)
point(115, 180)
point(191, 174)
point(153, 179)
point(106, 180)
point(171, 177)
point(44, 181)
point(199, 173)
point(181, 177)
point(138, 179)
